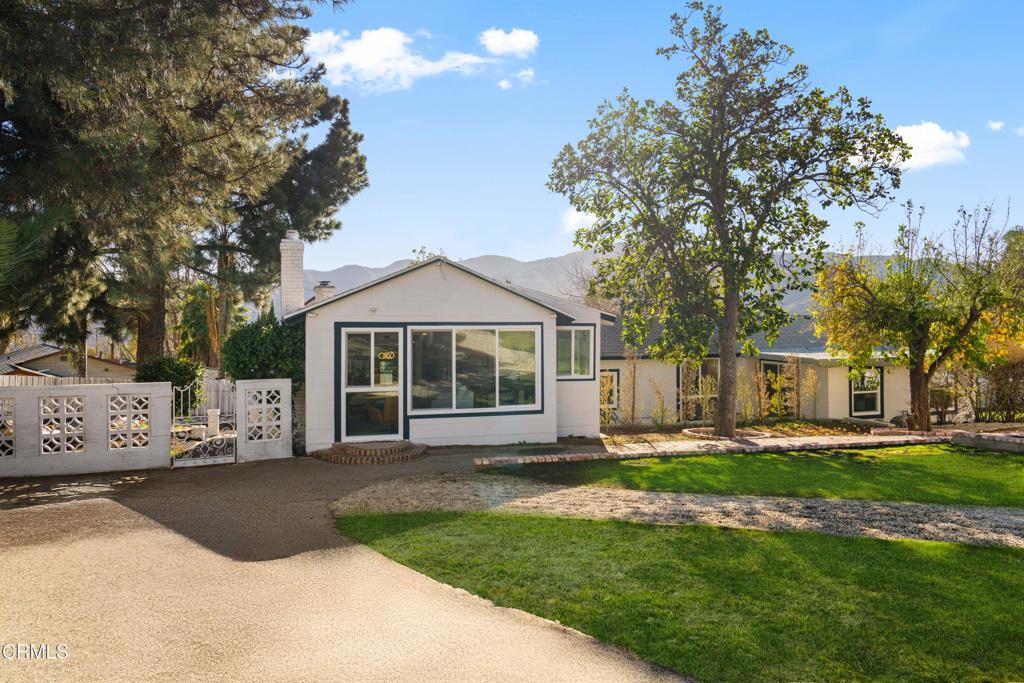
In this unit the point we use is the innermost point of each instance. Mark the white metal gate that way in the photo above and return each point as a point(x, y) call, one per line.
point(192, 442)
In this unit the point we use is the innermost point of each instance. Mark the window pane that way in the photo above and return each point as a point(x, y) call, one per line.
point(709, 376)
point(432, 369)
point(369, 413)
point(474, 368)
point(865, 403)
point(582, 364)
point(518, 368)
point(385, 358)
point(564, 352)
point(609, 388)
point(868, 381)
point(357, 359)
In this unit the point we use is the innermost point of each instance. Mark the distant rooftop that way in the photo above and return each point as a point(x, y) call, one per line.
point(797, 338)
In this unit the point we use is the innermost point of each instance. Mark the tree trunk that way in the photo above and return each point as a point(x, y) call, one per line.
point(81, 356)
point(152, 325)
point(919, 403)
point(725, 422)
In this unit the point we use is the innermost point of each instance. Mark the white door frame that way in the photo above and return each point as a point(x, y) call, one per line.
point(397, 388)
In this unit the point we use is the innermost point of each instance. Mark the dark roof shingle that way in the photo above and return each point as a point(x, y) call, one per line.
point(796, 337)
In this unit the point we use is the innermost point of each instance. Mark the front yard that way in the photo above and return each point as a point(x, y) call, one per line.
point(757, 603)
point(945, 474)
point(734, 605)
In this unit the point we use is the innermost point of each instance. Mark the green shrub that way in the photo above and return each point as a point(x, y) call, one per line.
point(266, 349)
point(180, 372)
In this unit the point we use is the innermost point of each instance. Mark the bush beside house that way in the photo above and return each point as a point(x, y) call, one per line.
point(269, 348)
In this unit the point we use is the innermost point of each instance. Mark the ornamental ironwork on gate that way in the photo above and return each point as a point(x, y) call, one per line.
point(195, 440)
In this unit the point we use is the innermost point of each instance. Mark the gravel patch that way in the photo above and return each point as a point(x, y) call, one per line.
point(887, 520)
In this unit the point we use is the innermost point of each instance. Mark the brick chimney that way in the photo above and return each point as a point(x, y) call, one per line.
point(293, 293)
point(323, 290)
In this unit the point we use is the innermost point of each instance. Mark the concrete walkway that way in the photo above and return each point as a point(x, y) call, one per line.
point(649, 449)
point(236, 574)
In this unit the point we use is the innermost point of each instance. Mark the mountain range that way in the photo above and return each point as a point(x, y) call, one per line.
point(558, 275)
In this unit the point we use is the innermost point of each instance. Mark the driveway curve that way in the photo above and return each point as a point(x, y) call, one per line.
point(236, 574)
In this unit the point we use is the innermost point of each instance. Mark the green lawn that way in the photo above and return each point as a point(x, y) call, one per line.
point(734, 605)
point(926, 474)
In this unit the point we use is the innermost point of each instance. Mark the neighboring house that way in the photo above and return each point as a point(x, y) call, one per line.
point(651, 388)
point(439, 354)
point(47, 360)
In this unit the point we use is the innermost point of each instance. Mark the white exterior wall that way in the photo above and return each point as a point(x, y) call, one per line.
point(650, 376)
point(827, 397)
point(431, 295)
point(579, 400)
point(97, 455)
point(895, 392)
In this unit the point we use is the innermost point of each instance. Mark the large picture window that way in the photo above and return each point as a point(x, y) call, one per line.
point(866, 393)
point(575, 357)
point(474, 368)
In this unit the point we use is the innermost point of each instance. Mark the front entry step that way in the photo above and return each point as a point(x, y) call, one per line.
point(370, 453)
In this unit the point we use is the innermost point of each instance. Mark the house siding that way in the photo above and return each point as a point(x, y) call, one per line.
point(438, 295)
point(825, 389)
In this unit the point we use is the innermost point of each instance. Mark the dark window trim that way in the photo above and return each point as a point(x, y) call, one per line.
point(612, 371)
point(593, 356)
point(881, 394)
point(406, 417)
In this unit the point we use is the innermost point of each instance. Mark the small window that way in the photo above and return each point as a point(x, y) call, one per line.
point(574, 352)
point(866, 393)
point(698, 390)
point(610, 389)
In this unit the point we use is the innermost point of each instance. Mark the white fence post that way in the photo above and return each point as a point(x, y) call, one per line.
point(78, 429)
point(263, 418)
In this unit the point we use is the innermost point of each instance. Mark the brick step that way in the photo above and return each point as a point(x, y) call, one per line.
point(370, 453)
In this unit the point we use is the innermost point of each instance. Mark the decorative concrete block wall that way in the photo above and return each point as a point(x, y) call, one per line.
point(77, 429)
point(264, 414)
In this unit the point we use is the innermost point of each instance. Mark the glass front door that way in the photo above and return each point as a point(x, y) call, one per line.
point(372, 378)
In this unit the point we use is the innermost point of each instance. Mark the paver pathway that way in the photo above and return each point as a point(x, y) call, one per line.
point(649, 449)
point(890, 520)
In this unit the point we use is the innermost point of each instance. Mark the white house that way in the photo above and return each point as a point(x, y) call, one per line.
point(440, 354)
point(653, 389)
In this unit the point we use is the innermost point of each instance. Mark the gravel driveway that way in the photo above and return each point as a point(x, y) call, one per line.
point(459, 491)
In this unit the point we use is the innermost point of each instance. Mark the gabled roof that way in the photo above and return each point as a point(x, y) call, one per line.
point(7, 368)
point(30, 353)
point(796, 337)
point(566, 311)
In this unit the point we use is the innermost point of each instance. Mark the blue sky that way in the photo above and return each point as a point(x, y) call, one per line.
point(461, 124)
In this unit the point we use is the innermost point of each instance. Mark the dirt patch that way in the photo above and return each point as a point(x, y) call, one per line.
point(888, 520)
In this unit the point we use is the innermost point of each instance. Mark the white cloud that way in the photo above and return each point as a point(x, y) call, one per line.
point(381, 59)
point(526, 75)
point(573, 220)
point(1020, 131)
point(518, 42)
point(504, 84)
point(932, 145)
point(996, 125)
